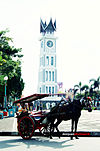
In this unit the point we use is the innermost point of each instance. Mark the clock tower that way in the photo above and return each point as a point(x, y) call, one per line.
point(47, 82)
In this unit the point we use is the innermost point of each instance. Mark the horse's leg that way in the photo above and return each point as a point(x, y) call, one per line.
point(50, 131)
point(51, 125)
point(76, 123)
point(72, 128)
point(52, 128)
point(56, 126)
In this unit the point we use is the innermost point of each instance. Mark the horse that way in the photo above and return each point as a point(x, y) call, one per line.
point(70, 111)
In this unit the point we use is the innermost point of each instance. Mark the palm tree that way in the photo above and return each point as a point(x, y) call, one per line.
point(85, 88)
point(78, 87)
point(96, 83)
point(81, 88)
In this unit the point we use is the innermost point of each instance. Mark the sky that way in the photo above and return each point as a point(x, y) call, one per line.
point(78, 42)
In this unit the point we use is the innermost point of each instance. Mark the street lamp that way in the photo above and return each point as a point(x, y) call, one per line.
point(5, 97)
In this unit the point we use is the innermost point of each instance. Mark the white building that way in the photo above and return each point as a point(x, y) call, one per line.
point(47, 82)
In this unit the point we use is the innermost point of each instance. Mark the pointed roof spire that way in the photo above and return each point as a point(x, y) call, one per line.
point(55, 24)
point(45, 24)
point(47, 28)
point(41, 26)
point(50, 28)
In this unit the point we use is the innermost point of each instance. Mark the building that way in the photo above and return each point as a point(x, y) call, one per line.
point(47, 82)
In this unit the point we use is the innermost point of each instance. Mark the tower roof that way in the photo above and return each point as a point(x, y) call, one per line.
point(51, 27)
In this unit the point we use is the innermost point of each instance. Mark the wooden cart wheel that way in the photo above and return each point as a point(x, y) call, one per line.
point(26, 127)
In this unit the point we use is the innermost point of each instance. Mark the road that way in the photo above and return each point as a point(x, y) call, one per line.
point(46, 144)
point(88, 122)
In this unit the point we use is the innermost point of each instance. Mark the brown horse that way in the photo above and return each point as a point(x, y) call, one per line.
point(71, 111)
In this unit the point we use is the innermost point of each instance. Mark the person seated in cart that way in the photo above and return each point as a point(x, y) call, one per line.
point(22, 107)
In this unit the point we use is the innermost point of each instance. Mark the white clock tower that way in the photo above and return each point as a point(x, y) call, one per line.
point(47, 82)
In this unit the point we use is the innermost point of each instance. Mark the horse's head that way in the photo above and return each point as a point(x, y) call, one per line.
point(86, 103)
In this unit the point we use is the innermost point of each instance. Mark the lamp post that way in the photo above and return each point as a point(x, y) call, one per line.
point(5, 97)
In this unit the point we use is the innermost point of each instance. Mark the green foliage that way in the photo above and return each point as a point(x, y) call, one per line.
point(78, 87)
point(96, 82)
point(10, 65)
point(86, 90)
point(85, 87)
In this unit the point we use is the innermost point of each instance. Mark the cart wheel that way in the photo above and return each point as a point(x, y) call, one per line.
point(26, 127)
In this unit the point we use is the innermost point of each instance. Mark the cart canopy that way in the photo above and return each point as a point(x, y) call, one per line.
point(31, 98)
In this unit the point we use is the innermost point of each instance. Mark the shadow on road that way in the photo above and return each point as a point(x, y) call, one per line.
point(34, 142)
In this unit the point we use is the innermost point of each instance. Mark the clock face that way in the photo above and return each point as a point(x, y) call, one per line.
point(49, 43)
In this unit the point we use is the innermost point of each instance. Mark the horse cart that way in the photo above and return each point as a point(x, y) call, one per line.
point(28, 122)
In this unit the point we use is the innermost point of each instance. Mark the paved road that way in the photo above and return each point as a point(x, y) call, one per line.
point(87, 122)
point(46, 144)
point(8, 124)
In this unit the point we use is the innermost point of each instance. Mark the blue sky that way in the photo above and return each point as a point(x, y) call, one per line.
point(78, 32)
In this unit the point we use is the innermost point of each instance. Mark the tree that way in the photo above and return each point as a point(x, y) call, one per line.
point(96, 82)
point(1, 59)
point(81, 88)
point(95, 94)
point(85, 88)
point(15, 85)
point(78, 87)
point(10, 65)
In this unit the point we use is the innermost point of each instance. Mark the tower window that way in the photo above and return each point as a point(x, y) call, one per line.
point(46, 75)
point(49, 89)
point(52, 75)
point(46, 89)
point(49, 75)
point(52, 90)
point(52, 60)
point(47, 60)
